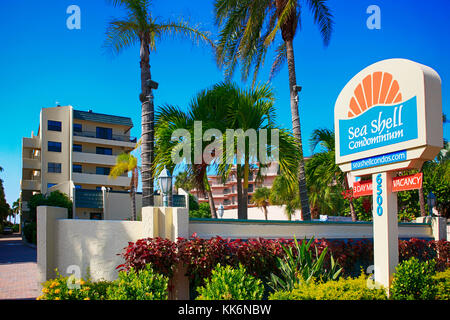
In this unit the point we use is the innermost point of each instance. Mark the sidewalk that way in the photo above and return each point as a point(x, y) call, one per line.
point(18, 269)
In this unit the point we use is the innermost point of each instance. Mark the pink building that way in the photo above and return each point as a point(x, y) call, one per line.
point(226, 193)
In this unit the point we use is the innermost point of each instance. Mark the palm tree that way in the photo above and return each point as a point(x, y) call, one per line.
point(184, 181)
point(248, 28)
point(126, 162)
point(139, 27)
point(261, 198)
point(253, 109)
point(207, 108)
point(325, 178)
point(283, 192)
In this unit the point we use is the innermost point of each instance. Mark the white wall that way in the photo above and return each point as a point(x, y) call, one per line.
point(93, 245)
point(254, 213)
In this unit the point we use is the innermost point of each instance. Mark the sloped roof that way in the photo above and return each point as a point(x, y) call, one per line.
point(103, 118)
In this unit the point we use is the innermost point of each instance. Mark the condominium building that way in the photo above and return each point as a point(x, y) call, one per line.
point(74, 152)
point(225, 193)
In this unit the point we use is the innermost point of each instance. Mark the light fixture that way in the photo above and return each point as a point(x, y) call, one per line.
point(220, 211)
point(431, 200)
point(165, 183)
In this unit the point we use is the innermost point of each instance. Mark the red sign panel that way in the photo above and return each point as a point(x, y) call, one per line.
point(363, 188)
point(410, 182)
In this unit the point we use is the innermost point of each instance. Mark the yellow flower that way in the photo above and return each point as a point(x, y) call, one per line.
point(82, 282)
point(70, 292)
point(44, 290)
point(87, 298)
point(57, 298)
point(57, 291)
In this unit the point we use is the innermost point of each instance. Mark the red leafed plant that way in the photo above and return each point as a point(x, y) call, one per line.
point(259, 256)
point(161, 253)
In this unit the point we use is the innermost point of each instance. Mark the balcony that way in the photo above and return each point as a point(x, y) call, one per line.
point(93, 135)
point(31, 143)
point(100, 180)
point(31, 163)
point(93, 158)
point(32, 185)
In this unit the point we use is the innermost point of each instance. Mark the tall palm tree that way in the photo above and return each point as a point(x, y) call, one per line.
point(253, 109)
point(248, 28)
point(126, 162)
point(325, 178)
point(140, 27)
point(207, 108)
point(261, 198)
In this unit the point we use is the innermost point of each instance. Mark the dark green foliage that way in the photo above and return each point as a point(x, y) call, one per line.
point(55, 199)
point(203, 211)
point(300, 264)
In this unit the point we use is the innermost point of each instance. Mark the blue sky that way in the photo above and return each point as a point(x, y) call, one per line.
point(41, 62)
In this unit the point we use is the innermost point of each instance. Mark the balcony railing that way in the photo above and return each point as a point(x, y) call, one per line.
point(115, 137)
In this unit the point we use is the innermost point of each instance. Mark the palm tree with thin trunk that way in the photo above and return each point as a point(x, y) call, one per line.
point(247, 28)
point(261, 198)
point(139, 27)
point(126, 162)
point(325, 179)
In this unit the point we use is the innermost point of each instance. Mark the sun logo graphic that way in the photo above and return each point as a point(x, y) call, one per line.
point(376, 114)
point(378, 88)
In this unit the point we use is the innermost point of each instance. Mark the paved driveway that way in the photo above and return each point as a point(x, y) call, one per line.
point(18, 269)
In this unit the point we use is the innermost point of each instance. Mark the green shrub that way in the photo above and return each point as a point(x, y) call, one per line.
point(227, 283)
point(203, 211)
point(300, 264)
point(342, 289)
point(64, 288)
point(29, 231)
point(413, 280)
point(144, 284)
point(442, 283)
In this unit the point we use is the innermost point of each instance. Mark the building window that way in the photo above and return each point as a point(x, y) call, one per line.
point(77, 168)
point(77, 127)
point(106, 151)
point(54, 146)
point(102, 170)
point(250, 188)
point(49, 185)
point(104, 133)
point(77, 148)
point(54, 125)
point(54, 167)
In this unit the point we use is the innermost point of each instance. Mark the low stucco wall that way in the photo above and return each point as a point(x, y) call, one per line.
point(93, 245)
point(239, 229)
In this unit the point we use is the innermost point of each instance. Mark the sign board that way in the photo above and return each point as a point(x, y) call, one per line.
point(410, 182)
point(389, 117)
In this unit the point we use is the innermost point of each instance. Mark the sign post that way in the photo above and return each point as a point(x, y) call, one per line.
point(388, 118)
point(385, 228)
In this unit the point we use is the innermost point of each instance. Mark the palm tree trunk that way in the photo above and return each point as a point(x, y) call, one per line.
point(265, 213)
point(303, 193)
point(133, 204)
point(423, 212)
point(350, 200)
point(147, 126)
point(212, 206)
point(245, 188)
point(240, 196)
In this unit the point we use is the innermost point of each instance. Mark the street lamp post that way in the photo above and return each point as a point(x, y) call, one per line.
point(165, 182)
point(220, 211)
point(431, 201)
